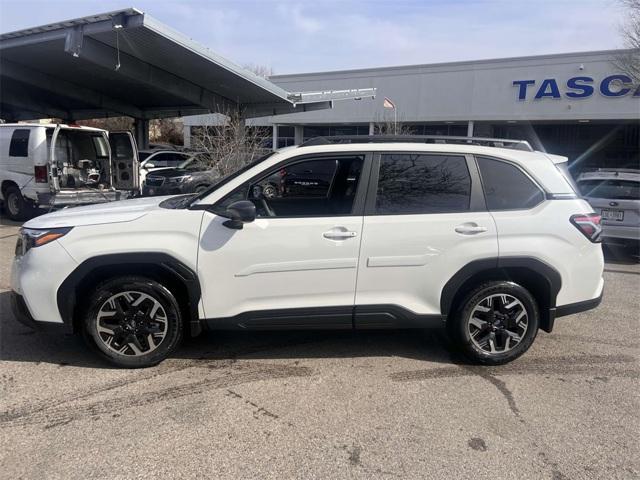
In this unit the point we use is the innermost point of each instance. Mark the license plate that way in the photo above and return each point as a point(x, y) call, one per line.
point(617, 215)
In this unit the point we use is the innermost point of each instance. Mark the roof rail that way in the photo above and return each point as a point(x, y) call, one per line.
point(482, 141)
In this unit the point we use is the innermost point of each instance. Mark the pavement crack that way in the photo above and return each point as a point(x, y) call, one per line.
point(57, 414)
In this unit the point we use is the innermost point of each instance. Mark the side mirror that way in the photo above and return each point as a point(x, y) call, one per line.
point(239, 213)
point(147, 166)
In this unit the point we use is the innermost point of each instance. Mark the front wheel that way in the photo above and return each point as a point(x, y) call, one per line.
point(495, 323)
point(133, 321)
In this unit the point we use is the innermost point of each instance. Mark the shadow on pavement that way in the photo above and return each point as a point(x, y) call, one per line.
point(19, 343)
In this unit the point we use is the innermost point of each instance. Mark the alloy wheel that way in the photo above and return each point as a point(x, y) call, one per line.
point(132, 323)
point(498, 323)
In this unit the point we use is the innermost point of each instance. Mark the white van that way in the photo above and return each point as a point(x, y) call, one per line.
point(55, 166)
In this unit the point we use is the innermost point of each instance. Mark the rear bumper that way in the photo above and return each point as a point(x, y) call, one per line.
point(620, 232)
point(570, 309)
point(21, 314)
point(578, 307)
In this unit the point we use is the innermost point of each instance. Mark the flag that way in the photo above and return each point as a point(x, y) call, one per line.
point(388, 103)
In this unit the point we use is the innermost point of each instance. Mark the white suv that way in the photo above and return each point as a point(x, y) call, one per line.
point(485, 237)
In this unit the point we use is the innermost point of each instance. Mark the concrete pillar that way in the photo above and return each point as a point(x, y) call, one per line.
point(298, 133)
point(274, 137)
point(470, 128)
point(372, 128)
point(186, 136)
point(141, 127)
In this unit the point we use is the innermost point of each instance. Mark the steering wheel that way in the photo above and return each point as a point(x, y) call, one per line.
point(257, 194)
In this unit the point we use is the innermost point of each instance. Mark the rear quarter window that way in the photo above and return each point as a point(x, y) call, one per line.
point(506, 187)
point(19, 146)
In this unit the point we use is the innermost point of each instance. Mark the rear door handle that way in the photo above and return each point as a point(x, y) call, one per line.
point(339, 233)
point(470, 228)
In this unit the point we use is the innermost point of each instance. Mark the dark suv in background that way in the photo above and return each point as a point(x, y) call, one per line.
point(193, 175)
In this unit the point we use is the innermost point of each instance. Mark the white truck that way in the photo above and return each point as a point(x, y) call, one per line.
point(54, 166)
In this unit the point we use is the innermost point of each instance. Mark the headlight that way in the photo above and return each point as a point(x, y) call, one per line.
point(178, 179)
point(36, 237)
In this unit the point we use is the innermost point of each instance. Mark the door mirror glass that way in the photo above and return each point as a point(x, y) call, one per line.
point(239, 213)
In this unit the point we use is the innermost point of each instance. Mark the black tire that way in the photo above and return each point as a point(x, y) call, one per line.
point(15, 205)
point(133, 325)
point(201, 188)
point(492, 332)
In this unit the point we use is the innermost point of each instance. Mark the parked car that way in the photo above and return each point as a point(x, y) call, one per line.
point(191, 176)
point(151, 160)
point(490, 243)
point(63, 165)
point(615, 195)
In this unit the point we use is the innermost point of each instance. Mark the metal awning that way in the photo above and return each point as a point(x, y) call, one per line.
point(127, 63)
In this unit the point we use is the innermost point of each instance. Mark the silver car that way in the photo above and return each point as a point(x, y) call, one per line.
point(615, 195)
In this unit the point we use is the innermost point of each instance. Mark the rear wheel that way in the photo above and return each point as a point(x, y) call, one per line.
point(133, 321)
point(16, 206)
point(495, 323)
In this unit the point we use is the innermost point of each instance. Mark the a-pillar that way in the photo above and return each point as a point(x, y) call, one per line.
point(141, 127)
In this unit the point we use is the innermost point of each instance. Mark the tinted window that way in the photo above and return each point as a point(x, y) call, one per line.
point(19, 146)
point(320, 187)
point(414, 184)
point(614, 189)
point(506, 187)
point(121, 147)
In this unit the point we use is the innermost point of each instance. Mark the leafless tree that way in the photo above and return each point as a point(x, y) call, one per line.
point(629, 62)
point(110, 123)
point(230, 145)
point(385, 124)
point(263, 71)
point(166, 130)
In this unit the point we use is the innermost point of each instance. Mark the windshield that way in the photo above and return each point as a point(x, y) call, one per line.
point(614, 189)
point(228, 178)
point(195, 162)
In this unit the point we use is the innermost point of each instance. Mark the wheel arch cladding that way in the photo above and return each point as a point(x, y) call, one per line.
point(542, 280)
point(180, 279)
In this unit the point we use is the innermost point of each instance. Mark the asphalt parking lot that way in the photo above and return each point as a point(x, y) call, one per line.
point(328, 405)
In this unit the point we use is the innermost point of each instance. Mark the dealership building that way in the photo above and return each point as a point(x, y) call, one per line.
point(578, 104)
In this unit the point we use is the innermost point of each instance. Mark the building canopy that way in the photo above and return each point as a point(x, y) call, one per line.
point(127, 63)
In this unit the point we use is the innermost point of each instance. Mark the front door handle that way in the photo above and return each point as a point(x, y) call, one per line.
point(470, 228)
point(339, 233)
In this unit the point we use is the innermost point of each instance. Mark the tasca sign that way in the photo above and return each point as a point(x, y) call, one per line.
point(613, 86)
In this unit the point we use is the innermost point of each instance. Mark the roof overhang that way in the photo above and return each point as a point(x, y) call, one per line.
point(127, 63)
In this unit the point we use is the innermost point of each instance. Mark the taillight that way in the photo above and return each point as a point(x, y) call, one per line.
point(588, 224)
point(40, 172)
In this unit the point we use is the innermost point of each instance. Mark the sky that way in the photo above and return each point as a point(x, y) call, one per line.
point(308, 36)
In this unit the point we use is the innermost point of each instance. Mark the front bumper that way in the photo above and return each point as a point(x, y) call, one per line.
point(36, 276)
point(21, 314)
point(161, 191)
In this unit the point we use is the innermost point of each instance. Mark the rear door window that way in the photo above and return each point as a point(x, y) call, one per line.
point(506, 187)
point(19, 146)
point(420, 184)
